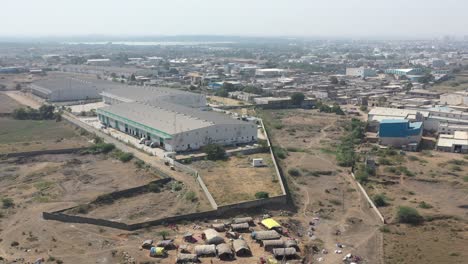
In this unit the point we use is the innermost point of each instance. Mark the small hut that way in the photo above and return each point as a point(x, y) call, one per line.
point(205, 250)
point(166, 244)
point(241, 248)
point(265, 235)
point(158, 252)
point(224, 251)
point(291, 243)
point(212, 237)
point(281, 253)
point(240, 220)
point(242, 227)
point(147, 244)
point(188, 237)
point(218, 227)
point(186, 258)
point(269, 245)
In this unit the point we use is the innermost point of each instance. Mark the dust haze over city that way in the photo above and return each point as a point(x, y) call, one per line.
point(234, 132)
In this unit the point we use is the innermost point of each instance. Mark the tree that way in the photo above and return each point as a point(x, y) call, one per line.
point(297, 98)
point(426, 78)
point(214, 152)
point(222, 92)
point(409, 215)
point(342, 82)
point(262, 195)
point(229, 87)
point(47, 112)
point(18, 86)
point(132, 77)
point(334, 80)
point(380, 200)
point(7, 203)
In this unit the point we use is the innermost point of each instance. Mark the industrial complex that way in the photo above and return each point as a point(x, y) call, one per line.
point(173, 119)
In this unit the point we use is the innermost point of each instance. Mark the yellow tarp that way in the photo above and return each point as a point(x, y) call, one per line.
point(270, 223)
point(272, 261)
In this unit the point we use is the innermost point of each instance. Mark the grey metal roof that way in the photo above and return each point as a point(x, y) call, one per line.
point(148, 93)
point(168, 118)
point(61, 83)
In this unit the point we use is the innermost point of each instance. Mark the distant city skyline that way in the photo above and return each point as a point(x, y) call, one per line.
point(300, 18)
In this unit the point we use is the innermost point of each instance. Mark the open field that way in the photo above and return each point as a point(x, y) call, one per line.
point(305, 141)
point(7, 104)
point(30, 135)
point(235, 180)
point(459, 83)
point(436, 185)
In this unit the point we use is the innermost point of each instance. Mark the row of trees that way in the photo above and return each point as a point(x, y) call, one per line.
point(345, 153)
point(45, 112)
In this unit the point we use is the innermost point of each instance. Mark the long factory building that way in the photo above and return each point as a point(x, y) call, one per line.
point(174, 119)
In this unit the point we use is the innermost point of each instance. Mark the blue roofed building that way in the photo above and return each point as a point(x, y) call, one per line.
point(400, 133)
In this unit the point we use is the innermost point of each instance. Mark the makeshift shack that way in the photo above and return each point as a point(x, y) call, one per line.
point(241, 220)
point(188, 237)
point(211, 236)
point(166, 244)
point(281, 253)
point(147, 244)
point(265, 235)
point(158, 252)
point(205, 250)
point(269, 245)
point(241, 248)
point(186, 258)
point(291, 243)
point(218, 227)
point(224, 251)
point(242, 227)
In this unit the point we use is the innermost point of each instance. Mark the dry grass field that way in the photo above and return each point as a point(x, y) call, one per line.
point(459, 83)
point(305, 141)
point(30, 135)
point(436, 185)
point(7, 105)
point(235, 180)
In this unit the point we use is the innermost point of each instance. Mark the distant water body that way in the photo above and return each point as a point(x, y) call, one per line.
point(149, 43)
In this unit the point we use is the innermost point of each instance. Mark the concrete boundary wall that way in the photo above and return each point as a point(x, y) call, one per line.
point(377, 212)
point(207, 193)
point(42, 152)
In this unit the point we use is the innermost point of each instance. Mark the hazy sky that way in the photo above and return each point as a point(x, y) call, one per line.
point(316, 18)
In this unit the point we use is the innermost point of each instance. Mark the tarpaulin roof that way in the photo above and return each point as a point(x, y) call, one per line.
point(270, 223)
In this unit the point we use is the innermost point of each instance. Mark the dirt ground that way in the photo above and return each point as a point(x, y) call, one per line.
point(7, 105)
point(149, 206)
point(322, 189)
point(235, 180)
point(436, 184)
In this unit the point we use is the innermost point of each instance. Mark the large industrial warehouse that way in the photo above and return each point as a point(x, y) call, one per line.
point(174, 119)
point(64, 88)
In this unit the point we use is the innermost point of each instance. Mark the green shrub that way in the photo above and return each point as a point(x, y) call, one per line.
point(335, 202)
point(280, 152)
point(380, 200)
point(105, 199)
point(424, 205)
point(154, 187)
point(83, 209)
point(262, 195)
point(465, 179)
point(125, 156)
point(139, 164)
point(191, 196)
point(384, 161)
point(294, 172)
point(176, 186)
point(214, 152)
point(7, 202)
point(409, 215)
point(384, 229)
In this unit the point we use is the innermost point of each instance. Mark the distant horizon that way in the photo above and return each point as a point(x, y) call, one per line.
point(213, 37)
point(341, 19)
